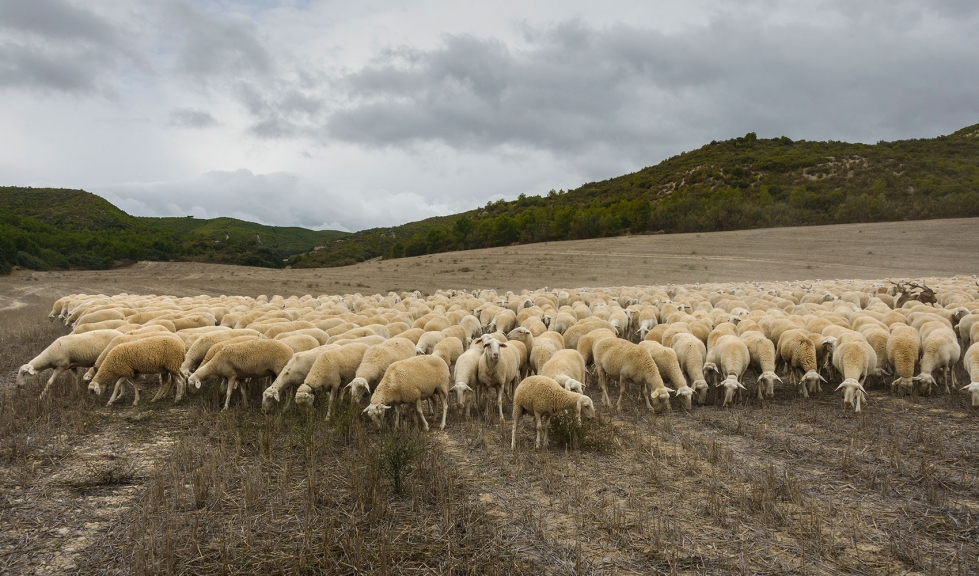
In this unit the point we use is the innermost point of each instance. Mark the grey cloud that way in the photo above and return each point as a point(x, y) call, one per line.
point(213, 47)
point(190, 118)
point(51, 45)
point(281, 198)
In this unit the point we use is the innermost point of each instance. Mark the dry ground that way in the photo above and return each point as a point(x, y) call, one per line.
point(790, 486)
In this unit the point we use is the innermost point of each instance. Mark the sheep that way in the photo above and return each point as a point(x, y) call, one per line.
point(543, 397)
point(127, 337)
point(567, 367)
point(411, 381)
point(855, 359)
point(903, 349)
point(762, 353)
point(197, 351)
point(151, 355)
point(499, 366)
point(449, 351)
point(376, 361)
point(248, 359)
point(65, 353)
point(300, 342)
point(292, 374)
point(691, 353)
point(427, 342)
point(971, 362)
point(330, 370)
point(730, 358)
point(669, 367)
point(939, 349)
point(121, 325)
point(466, 377)
point(587, 343)
point(797, 351)
point(624, 361)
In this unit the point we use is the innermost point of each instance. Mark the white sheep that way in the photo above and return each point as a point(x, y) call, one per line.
point(855, 359)
point(292, 374)
point(798, 352)
point(691, 353)
point(247, 359)
point(971, 362)
point(67, 352)
point(627, 362)
point(729, 357)
point(567, 368)
point(466, 376)
point(543, 397)
point(669, 368)
point(762, 353)
point(499, 367)
point(408, 381)
point(150, 355)
point(426, 343)
point(198, 350)
point(903, 349)
point(330, 370)
point(939, 349)
point(376, 360)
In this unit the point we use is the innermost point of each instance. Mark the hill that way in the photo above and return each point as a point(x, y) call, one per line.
point(43, 228)
point(741, 183)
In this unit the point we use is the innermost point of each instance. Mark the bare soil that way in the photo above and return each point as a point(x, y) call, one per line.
point(788, 486)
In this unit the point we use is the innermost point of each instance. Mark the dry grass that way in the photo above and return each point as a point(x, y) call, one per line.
point(786, 486)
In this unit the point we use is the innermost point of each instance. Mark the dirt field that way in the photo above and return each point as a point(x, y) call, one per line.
point(790, 486)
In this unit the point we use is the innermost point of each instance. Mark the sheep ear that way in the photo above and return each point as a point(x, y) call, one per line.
point(668, 389)
point(842, 384)
point(821, 377)
point(503, 345)
point(916, 378)
point(30, 369)
point(779, 379)
point(741, 386)
point(385, 407)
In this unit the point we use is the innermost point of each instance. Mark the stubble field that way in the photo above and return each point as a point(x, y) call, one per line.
point(789, 486)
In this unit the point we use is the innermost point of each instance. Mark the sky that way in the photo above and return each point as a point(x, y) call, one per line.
point(353, 115)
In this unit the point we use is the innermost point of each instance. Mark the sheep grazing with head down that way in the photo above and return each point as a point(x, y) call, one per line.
point(971, 362)
point(669, 368)
point(903, 349)
point(855, 359)
point(939, 349)
point(567, 368)
point(376, 360)
point(729, 357)
point(67, 352)
point(624, 361)
point(762, 353)
point(292, 374)
point(150, 355)
point(330, 370)
point(411, 381)
point(543, 397)
point(691, 353)
point(255, 358)
point(797, 351)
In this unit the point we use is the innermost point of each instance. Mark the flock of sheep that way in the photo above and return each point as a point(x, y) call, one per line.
point(536, 348)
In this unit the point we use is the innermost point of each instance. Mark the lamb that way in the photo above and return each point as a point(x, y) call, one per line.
point(797, 351)
point(855, 359)
point(248, 359)
point(691, 353)
point(971, 362)
point(330, 370)
point(411, 381)
point(730, 358)
point(376, 361)
point(292, 374)
point(903, 349)
point(151, 355)
point(542, 397)
point(466, 376)
point(567, 368)
point(499, 366)
point(67, 352)
point(939, 349)
point(624, 361)
point(669, 367)
point(762, 353)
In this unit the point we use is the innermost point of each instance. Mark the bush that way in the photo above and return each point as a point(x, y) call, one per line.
point(395, 452)
point(590, 434)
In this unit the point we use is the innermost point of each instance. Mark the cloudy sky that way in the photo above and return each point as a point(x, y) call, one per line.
point(350, 115)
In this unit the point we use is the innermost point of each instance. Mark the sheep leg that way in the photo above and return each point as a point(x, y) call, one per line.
point(181, 387)
point(117, 391)
point(499, 402)
point(54, 376)
point(537, 420)
point(547, 425)
point(243, 390)
point(603, 383)
point(329, 402)
point(421, 413)
point(517, 413)
point(445, 410)
point(164, 387)
point(230, 388)
point(618, 405)
point(132, 382)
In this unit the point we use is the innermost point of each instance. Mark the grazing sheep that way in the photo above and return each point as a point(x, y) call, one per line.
point(198, 350)
point(300, 342)
point(669, 367)
point(151, 355)
point(292, 374)
point(762, 353)
point(499, 366)
point(587, 342)
point(426, 343)
point(903, 349)
point(65, 353)
point(855, 359)
point(542, 397)
point(627, 362)
point(729, 357)
point(567, 368)
point(798, 352)
point(376, 361)
point(939, 349)
point(971, 362)
point(330, 370)
point(247, 359)
point(411, 381)
point(691, 353)
point(126, 337)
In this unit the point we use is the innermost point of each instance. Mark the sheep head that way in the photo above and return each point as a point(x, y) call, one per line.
point(461, 389)
point(661, 399)
point(95, 388)
point(270, 395)
point(811, 380)
point(853, 393)
point(925, 382)
point(491, 348)
point(766, 384)
point(574, 385)
point(355, 385)
point(519, 333)
point(685, 394)
point(904, 383)
point(22, 374)
point(584, 406)
point(90, 373)
point(700, 389)
point(195, 380)
point(304, 395)
point(973, 389)
point(376, 412)
point(731, 386)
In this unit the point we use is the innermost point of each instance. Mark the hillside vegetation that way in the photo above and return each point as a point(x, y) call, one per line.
point(44, 228)
point(741, 183)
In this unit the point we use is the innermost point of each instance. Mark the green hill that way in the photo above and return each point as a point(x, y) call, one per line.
point(741, 183)
point(43, 228)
